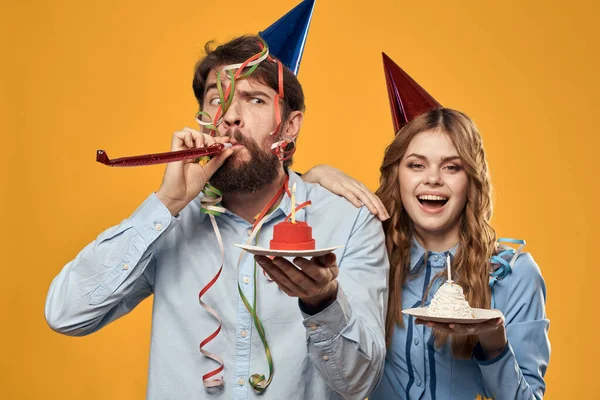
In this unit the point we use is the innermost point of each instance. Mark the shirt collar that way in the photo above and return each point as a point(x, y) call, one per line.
point(436, 259)
point(285, 206)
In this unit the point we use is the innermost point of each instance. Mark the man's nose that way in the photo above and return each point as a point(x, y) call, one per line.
point(233, 116)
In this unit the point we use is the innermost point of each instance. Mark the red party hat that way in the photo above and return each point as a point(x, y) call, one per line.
point(407, 98)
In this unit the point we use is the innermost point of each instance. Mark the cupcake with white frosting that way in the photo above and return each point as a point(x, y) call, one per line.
point(449, 302)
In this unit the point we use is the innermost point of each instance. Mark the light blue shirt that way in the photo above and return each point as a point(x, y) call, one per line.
point(416, 369)
point(337, 353)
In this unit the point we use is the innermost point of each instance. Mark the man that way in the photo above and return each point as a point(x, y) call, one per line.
point(323, 321)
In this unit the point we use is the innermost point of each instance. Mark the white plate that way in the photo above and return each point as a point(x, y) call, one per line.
point(261, 251)
point(481, 315)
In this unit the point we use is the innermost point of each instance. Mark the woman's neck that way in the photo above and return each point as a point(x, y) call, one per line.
point(437, 241)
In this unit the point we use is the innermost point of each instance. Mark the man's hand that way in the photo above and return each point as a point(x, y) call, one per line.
point(184, 180)
point(314, 283)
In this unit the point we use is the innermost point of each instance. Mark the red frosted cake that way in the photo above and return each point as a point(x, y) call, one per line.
point(288, 235)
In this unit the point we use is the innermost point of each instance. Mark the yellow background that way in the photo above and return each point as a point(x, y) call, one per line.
point(76, 76)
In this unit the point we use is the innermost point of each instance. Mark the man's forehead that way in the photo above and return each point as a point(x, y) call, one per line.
point(212, 75)
point(248, 83)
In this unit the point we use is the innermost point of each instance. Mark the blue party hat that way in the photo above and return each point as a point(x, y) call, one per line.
point(286, 37)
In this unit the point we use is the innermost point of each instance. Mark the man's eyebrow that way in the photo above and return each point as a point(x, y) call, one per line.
point(254, 93)
point(243, 93)
point(210, 87)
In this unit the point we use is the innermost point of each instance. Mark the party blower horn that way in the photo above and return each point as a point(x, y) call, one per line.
point(285, 39)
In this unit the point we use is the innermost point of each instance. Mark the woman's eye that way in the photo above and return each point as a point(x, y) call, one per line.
point(452, 167)
point(215, 101)
point(256, 100)
point(416, 166)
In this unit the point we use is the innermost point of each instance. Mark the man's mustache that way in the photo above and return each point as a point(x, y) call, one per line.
point(237, 135)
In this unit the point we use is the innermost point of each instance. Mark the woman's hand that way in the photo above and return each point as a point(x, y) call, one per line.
point(343, 185)
point(491, 334)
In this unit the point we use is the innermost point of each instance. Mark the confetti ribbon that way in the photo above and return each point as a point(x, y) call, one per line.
point(210, 204)
point(212, 197)
point(298, 208)
point(258, 381)
point(226, 98)
point(279, 148)
point(504, 267)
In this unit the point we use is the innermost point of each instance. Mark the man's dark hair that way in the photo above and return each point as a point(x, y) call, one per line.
point(237, 51)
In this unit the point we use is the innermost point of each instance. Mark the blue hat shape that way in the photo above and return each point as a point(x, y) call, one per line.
point(286, 37)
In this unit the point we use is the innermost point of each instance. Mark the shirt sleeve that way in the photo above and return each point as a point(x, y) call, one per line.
point(518, 372)
point(111, 275)
point(346, 341)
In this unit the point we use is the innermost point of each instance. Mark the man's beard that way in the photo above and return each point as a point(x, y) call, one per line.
point(247, 176)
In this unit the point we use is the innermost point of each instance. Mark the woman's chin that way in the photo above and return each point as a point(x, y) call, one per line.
point(433, 224)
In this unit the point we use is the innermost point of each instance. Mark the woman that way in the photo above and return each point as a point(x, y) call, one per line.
point(436, 187)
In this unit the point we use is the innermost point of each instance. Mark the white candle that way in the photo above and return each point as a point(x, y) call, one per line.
point(294, 203)
point(448, 265)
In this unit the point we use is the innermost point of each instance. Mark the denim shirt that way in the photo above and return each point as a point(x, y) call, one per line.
point(416, 369)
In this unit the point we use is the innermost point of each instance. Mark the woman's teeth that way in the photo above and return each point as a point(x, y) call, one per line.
point(432, 197)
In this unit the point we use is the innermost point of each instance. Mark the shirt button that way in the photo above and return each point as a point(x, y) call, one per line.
point(158, 226)
point(418, 382)
point(325, 358)
point(416, 341)
point(125, 267)
point(435, 257)
point(241, 381)
point(312, 327)
point(246, 280)
point(244, 333)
